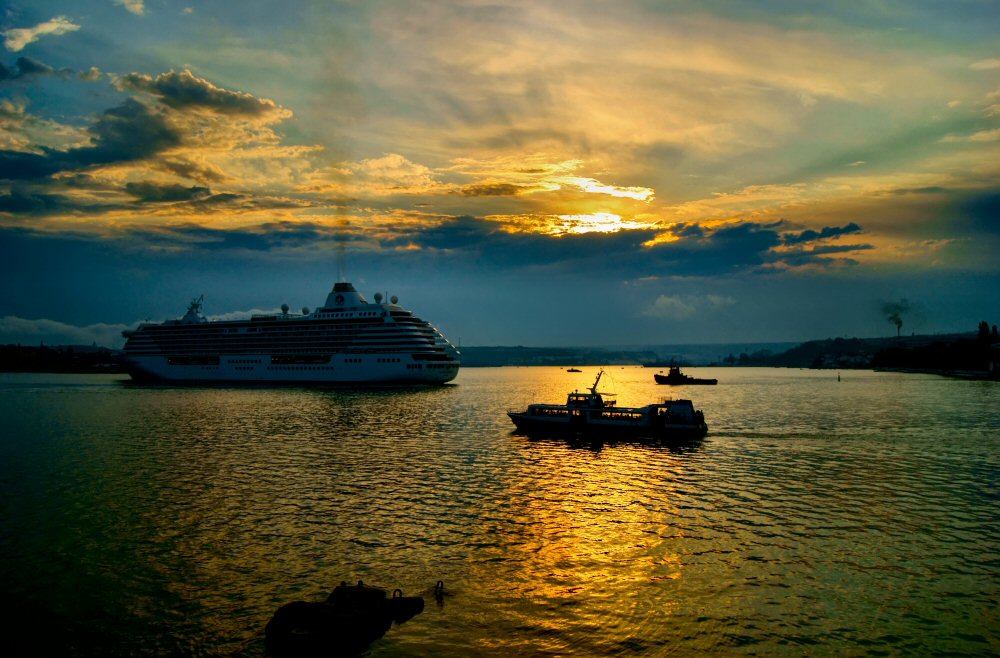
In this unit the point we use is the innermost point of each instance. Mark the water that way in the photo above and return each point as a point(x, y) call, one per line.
point(859, 517)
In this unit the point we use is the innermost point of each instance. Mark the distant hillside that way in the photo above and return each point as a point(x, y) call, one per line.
point(551, 356)
point(64, 358)
point(968, 354)
point(943, 353)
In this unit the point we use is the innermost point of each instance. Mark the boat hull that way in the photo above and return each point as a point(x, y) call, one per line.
point(598, 428)
point(367, 369)
point(693, 381)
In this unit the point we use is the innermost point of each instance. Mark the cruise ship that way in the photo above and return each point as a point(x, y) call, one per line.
point(345, 341)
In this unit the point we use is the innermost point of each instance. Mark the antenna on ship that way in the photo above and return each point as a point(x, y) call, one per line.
point(340, 241)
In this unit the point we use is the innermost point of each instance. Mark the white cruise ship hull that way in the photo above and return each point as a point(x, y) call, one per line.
point(371, 369)
point(344, 341)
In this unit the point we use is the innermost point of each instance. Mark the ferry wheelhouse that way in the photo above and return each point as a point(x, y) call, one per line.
point(345, 341)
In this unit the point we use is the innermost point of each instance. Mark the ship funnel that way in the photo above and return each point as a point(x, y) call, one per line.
point(343, 295)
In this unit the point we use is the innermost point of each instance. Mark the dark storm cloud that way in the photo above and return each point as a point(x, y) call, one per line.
point(128, 132)
point(484, 244)
point(465, 241)
point(825, 232)
point(456, 233)
point(747, 247)
point(744, 247)
point(493, 189)
point(185, 90)
point(17, 165)
point(151, 192)
point(820, 255)
point(265, 238)
point(188, 169)
point(688, 231)
point(26, 67)
point(30, 203)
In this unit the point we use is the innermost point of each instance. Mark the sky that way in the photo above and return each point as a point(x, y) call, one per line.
point(534, 173)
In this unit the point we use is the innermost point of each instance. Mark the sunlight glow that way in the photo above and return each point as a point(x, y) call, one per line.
point(596, 187)
point(598, 222)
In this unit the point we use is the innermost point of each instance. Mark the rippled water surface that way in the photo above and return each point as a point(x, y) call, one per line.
point(821, 517)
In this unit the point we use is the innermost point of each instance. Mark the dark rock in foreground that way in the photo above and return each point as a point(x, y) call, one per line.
point(350, 619)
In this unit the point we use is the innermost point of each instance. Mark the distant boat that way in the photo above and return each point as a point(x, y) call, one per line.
point(589, 413)
point(573, 370)
point(676, 378)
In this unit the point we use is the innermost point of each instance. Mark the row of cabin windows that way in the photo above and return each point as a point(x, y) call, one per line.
point(303, 347)
point(366, 314)
point(282, 330)
point(416, 333)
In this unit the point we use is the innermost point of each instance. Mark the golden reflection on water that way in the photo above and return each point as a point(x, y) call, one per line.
point(583, 538)
point(180, 519)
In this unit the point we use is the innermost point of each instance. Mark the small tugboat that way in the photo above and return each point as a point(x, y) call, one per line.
point(676, 378)
point(590, 413)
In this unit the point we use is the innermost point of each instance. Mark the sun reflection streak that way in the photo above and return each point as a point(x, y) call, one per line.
point(586, 539)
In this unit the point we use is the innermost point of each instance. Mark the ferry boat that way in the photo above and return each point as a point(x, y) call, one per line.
point(345, 341)
point(590, 413)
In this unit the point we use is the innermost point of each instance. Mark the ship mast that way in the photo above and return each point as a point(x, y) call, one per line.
point(593, 389)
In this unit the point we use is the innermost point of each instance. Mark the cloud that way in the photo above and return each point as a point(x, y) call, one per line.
point(494, 189)
point(21, 201)
point(90, 75)
point(25, 132)
point(52, 332)
point(128, 132)
point(151, 192)
point(388, 175)
point(186, 90)
point(274, 236)
point(745, 246)
point(986, 64)
point(981, 136)
point(817, 256)
point(685, 307)
point(147, 151)
point(16, 39)
point(137, 7)
point(825, 232)
point(26, 67)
